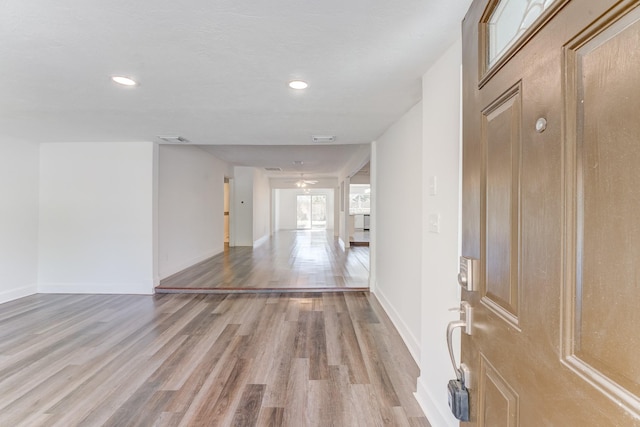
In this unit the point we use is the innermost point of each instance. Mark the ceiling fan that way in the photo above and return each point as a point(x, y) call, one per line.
point(301, 183)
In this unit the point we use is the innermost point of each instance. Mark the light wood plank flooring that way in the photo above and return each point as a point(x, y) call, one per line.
point(299, 259)
point(265, 359)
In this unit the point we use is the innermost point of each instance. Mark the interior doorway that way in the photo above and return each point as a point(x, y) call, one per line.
point(359, 198)
point(311, 212)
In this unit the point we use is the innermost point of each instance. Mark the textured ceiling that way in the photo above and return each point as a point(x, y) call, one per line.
point(216, 72)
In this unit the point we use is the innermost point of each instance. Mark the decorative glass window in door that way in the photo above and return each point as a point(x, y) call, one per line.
point(509, 21)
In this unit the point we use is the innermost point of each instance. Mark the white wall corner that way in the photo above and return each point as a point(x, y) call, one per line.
point(155, 209)
point(413, 344)
point(14, 294)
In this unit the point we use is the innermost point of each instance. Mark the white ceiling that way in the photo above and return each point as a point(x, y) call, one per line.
point(216, 71)
point(318, 161)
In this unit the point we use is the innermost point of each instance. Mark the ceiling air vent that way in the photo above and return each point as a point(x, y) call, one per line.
point(174, 139)
point(273, 169)
point(323, 139)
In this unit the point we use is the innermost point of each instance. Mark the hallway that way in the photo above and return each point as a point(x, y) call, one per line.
point(308, 260)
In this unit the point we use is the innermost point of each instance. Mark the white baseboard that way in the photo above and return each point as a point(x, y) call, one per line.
point(409, 339)
point(434, 414)
point(135, 288)
point(17, 293)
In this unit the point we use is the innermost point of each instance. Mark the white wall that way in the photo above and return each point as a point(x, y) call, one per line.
point(336, 212)
point(242, 206)
point(18, 219)
point(261, 207)
point(251, 206)
point(191, 207)
point(373, 225)
point(96, 218)
point(440, 291)
point(398, 223)
point(287, 207)
point(275, 194)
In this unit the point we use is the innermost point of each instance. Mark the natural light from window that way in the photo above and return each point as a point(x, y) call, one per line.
point(359, 199)
point(311, 211)
point(509, 21)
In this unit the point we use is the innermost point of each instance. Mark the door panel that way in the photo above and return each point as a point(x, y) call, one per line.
point(502, 123)
point(552, 215)
point(603, 66)
point(499, 403)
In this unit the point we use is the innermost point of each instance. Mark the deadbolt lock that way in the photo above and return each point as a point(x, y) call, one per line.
point(468, 273)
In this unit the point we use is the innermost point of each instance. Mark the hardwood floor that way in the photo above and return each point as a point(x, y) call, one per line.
point(265, 359)
point(299, 259)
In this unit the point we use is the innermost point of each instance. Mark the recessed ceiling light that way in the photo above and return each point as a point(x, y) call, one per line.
point(126, 81)
point(298, 84)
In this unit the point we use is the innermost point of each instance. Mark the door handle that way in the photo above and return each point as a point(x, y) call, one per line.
point(465, 324)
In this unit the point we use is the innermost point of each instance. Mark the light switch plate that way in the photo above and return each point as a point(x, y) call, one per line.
point(433, 221)
point(433, 185)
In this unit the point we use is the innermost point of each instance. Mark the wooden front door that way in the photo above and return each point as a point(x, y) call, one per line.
point(551, 209)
